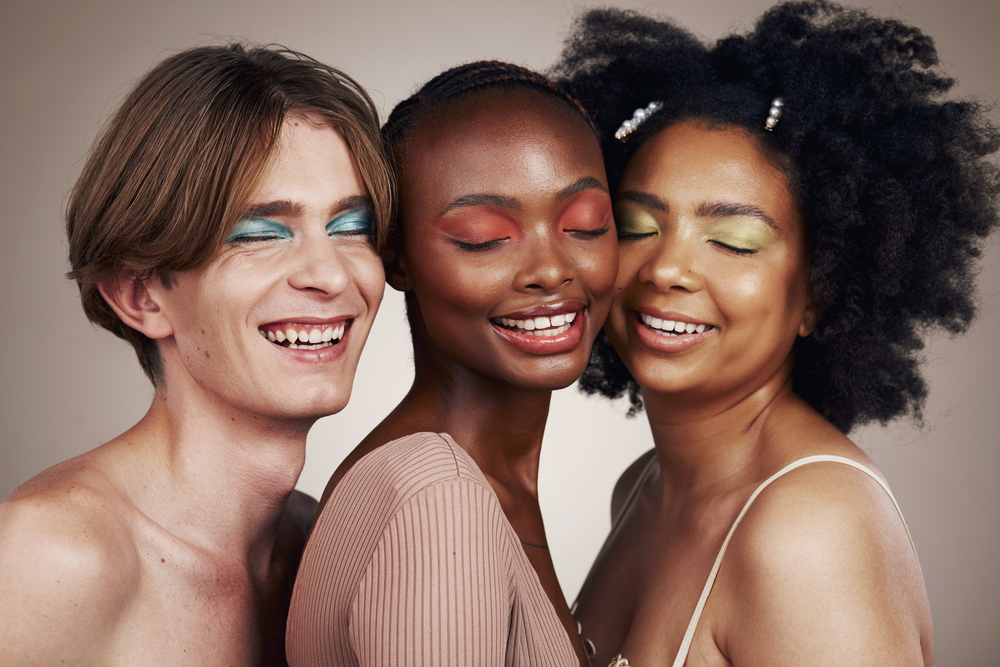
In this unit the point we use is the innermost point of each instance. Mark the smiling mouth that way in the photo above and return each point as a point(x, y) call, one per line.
point(673, 327)
point(542, 327)
point(303, 336)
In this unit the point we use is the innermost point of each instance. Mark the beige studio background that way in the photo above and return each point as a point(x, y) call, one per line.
point(67, 386)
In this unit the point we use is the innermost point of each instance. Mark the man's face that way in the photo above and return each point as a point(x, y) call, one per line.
point(274, 324)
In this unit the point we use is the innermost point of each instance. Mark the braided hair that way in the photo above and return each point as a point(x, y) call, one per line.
point(896, 189)
point(460, 82)
point(465, 79)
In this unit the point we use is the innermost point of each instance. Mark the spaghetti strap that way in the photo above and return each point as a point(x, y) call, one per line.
point(693, 624)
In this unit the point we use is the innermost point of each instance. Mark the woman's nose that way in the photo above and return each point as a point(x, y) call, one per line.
point(672, 266)
point(546, 267)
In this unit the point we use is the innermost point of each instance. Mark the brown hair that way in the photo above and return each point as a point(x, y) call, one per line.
point(179, 160)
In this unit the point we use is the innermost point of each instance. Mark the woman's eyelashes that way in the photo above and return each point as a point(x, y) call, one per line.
point(589, 233)
point(249, 230)
point(632, 224)
point(485, 245)
point(588, 217)
point(741, 235)
point(359, 222)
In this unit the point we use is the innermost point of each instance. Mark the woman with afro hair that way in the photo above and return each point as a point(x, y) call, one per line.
point(797, 207)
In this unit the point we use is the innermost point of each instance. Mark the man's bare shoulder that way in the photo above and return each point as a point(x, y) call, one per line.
point(68, 566)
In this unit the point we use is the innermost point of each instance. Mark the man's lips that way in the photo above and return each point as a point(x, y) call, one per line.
point(305, 335)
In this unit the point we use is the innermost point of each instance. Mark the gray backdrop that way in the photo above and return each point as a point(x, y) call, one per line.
point(68, 386)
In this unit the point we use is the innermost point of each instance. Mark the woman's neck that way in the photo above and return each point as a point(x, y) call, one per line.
point(705, 445)
point(500, 426)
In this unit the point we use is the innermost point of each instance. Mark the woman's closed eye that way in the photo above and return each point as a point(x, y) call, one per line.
point(741, 236)
point(632, 224)
point(588, 216)
point(358, 222)
point(485, 245)
point(476, 229)
point(252, 230)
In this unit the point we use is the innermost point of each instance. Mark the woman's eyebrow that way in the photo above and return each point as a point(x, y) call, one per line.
point(730, 209)
point(482, 199)
point(585, 183)
point(644, 199)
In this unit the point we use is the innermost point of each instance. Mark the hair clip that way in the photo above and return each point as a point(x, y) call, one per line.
point(774, 114)
point(638, 118)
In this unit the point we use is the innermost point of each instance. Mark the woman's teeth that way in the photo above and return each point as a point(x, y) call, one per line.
point(540, 326)
point(671, 326)
point(305, 338)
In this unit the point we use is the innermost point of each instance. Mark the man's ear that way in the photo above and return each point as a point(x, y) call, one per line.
point(137, 302)
point(396, 274)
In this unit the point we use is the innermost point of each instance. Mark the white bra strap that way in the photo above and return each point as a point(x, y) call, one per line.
point(692, 626)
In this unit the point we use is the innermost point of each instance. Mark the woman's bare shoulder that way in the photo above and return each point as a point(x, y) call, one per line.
point(825, 563)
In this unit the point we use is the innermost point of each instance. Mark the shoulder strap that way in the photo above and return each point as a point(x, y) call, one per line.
point(689, 633)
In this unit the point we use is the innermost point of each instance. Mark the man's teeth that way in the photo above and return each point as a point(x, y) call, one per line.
point(305, 338)
point(541, 326)
point(671, 326)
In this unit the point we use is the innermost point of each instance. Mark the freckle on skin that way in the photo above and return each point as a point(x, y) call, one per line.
point(162, 560)
point(207, 355)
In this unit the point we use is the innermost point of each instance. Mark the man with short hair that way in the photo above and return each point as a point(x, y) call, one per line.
point(225, 225)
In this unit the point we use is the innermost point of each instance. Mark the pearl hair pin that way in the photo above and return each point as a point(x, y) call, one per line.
point(638, 118)
point(774, 114)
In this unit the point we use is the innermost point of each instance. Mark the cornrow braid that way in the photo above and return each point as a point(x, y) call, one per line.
point(465, 79)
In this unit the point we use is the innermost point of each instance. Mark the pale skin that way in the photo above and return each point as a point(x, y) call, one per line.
point(176, 542)
point(524, 171)
point(820, 571)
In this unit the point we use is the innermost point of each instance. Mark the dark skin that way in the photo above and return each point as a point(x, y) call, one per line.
point(820, 571)
point(505, 213)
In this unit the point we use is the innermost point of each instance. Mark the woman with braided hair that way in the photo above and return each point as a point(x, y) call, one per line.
point(796, 206)
point(430, 548)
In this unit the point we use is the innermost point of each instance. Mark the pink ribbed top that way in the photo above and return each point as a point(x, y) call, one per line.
point(413, 562)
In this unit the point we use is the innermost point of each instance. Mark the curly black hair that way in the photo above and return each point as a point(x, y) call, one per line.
point(896, 189)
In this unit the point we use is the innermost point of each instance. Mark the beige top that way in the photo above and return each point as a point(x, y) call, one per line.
point(413, 562)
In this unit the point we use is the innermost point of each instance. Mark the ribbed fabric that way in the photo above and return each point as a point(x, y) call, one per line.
point(412, 562)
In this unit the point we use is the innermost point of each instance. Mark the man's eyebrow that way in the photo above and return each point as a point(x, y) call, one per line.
point(482, 199)
point(354, 202)
point(644, 199)
point(729, 209)
point(290, 209)
point(585, 183)
point(273, 209)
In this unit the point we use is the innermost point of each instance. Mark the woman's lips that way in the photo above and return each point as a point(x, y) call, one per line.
point(673, 326)
point(542, 334)
point(670, 335)
point(539, 326)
